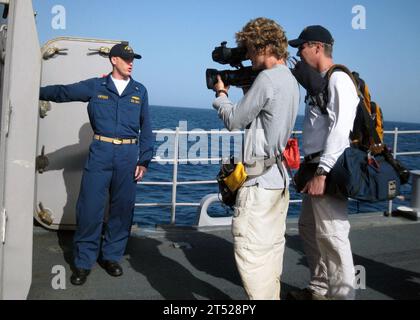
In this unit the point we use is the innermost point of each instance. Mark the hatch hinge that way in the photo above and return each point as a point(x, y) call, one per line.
point(52, 51)
point(41, 162)
point(45, 215)
point(102, 51)
point(44, 107)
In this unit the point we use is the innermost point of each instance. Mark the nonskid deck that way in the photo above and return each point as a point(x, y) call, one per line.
point(192, 263)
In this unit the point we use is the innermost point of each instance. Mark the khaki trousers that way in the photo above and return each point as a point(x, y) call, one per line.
point(258, 229)
point(324, 228)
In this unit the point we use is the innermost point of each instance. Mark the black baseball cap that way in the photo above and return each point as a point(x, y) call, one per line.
point(123, 50)
point(313, 33)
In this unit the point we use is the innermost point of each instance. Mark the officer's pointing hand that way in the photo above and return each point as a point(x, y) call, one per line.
point(140, 172)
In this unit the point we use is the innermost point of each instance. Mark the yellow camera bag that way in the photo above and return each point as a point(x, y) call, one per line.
point(235, 180)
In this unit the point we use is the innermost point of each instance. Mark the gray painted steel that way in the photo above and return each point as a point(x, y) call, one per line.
point(19, 119)
point(415, 192)
point(2, 145)
point(65, 132)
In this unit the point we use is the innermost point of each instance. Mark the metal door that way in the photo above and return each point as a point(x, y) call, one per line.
point(65, 133)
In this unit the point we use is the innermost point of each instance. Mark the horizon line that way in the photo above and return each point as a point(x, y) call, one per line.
point(299, 114)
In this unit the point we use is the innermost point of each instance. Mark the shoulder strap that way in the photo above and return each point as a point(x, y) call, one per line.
point(322, 99)
point(375, 135)
point(367, 118)
point(343, 68)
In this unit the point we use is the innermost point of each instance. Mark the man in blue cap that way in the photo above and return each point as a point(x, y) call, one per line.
point(119, 155)
point(323, 222)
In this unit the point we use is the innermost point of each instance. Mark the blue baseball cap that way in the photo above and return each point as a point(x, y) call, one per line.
point(124, 51)
point(313, 33)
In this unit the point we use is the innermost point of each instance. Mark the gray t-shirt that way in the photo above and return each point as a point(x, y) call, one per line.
point(268, 113)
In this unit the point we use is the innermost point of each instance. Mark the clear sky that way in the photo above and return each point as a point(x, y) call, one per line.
point(176, 38)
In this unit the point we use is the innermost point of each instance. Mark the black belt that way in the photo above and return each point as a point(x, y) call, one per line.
point(313, 156)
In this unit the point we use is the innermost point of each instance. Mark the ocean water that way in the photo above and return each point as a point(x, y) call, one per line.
point(206, 119)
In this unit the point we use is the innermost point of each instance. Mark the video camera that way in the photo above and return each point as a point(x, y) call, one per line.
point(242, 77)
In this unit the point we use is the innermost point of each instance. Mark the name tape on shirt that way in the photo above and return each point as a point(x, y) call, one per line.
point(135, 99)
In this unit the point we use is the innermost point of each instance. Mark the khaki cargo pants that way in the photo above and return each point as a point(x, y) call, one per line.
point(324, 228)
point(258, 229)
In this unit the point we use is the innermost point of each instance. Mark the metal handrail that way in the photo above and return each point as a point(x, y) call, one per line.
point(174, 183)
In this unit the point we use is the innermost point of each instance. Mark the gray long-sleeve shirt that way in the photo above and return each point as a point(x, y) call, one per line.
point(268, 113)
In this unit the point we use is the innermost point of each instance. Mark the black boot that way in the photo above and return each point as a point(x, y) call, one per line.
point(112, 267)
point(79, 276)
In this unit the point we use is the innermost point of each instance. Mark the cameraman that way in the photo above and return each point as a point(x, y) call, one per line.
point(268, 111)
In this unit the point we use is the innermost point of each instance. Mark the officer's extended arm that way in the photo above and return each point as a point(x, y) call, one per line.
point(80, 91)
point(146, 140)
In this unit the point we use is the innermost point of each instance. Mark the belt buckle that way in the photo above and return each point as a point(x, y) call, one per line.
point(117, 141)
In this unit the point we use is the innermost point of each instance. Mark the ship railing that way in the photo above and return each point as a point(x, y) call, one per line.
point(176, 161)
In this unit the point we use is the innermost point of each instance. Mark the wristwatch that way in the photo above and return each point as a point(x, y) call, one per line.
point(320, 171)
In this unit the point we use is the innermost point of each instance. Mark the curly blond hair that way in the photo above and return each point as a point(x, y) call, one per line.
point(261, 33)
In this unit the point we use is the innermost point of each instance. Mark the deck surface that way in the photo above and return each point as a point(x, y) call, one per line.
point(186, 263)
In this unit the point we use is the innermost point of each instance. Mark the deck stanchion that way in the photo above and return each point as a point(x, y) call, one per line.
point(394, 154)
point(415, 193)
point(175, 176)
